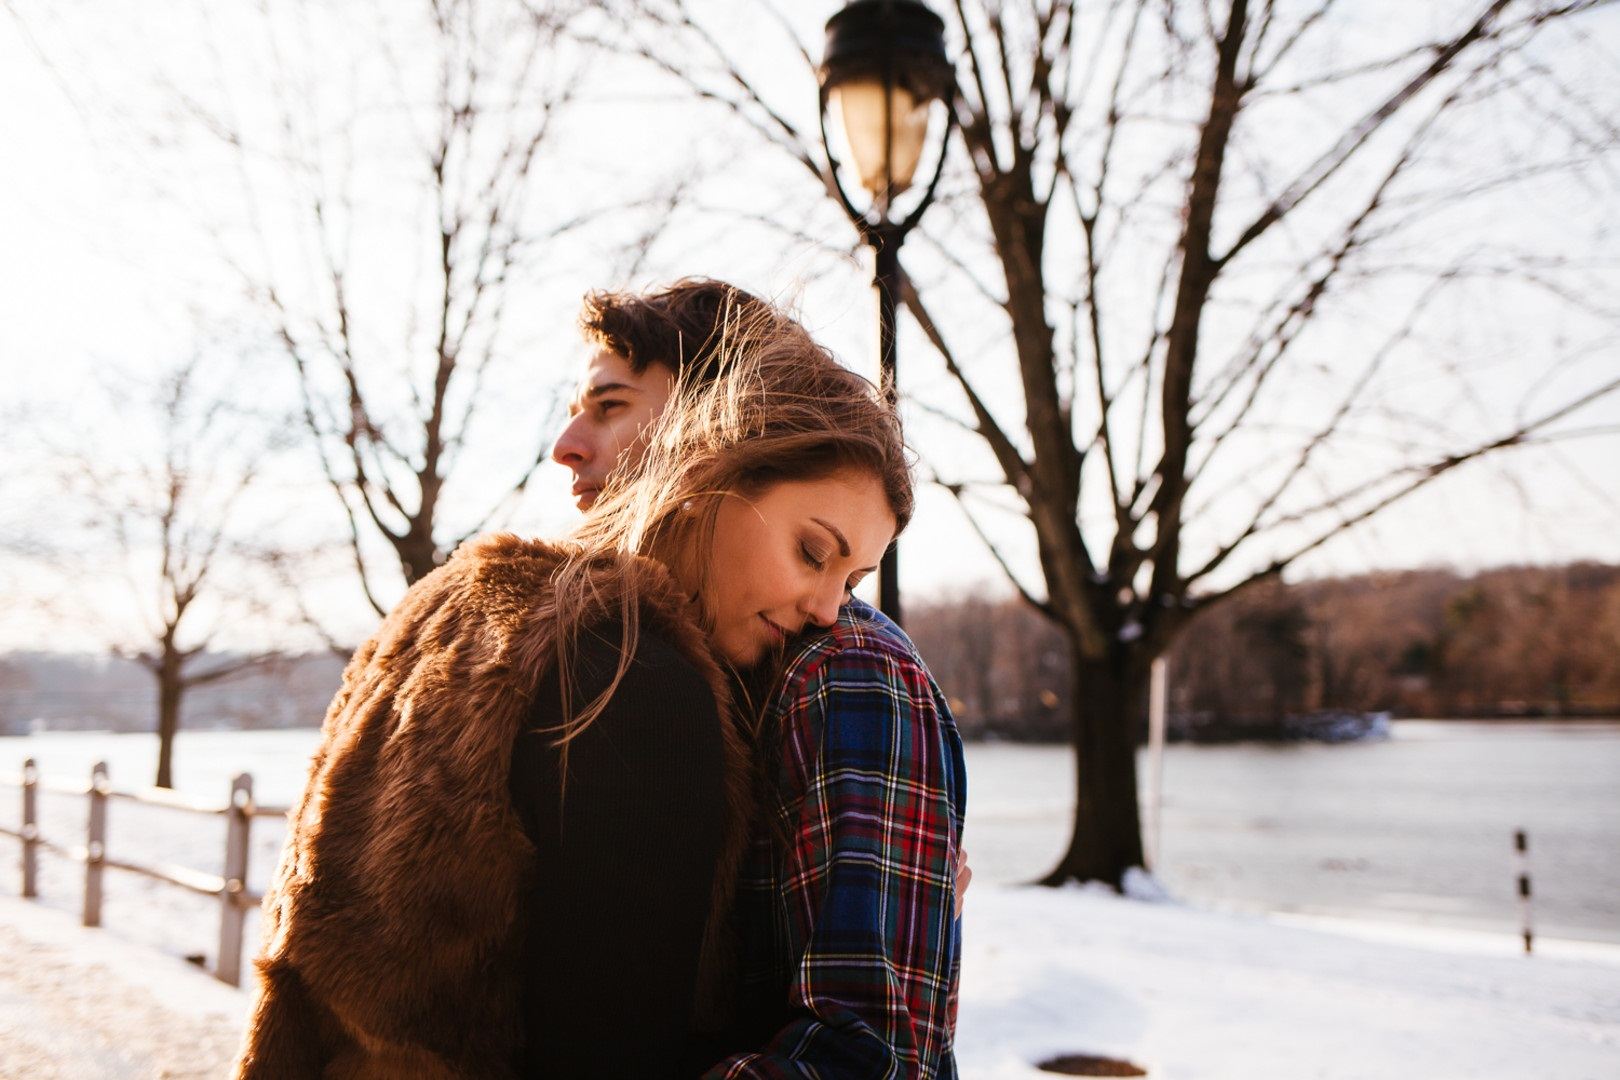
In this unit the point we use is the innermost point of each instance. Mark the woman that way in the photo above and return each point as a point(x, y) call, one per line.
point(516, 849)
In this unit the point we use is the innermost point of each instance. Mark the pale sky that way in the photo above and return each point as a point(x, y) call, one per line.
point(115, 212)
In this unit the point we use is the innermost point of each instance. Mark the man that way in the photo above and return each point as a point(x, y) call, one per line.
point(643, 344)
point(847, 907)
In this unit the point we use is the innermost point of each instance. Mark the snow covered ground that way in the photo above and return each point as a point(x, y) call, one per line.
point(1185, 994)
point(1200, 995)
point(79, 1004)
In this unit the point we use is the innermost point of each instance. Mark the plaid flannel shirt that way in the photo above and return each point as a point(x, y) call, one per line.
point(847, 900)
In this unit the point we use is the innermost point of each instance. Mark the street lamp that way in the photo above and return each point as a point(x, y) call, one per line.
point(885, 66)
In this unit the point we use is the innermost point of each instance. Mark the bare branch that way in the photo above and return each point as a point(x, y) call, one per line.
point(1407, 55)
point(1197, 274)
point(1015, 111)
point(1259, 70)
point(1299, 313)
point(1012, 463)
point(947, 417)
point(1325, 166)
point(1093, 268)
point(979, 127)
point(946, 253)
point(506, 501)
point(1144, 366)
point(749, 105)
point(1420, 475)
point(1318, 439)
point(958, 493)
point(230, 669)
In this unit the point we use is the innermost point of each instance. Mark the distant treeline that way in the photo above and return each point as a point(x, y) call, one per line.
point(65, 692)
point(1521, 641)
point(1536, 641)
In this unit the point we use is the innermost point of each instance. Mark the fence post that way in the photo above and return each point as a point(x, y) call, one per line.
point(238, 819)
point(30, 829)
point(95, 844)
point(1521, 848)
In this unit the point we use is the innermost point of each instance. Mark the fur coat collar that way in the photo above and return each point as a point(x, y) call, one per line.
point(390, 925)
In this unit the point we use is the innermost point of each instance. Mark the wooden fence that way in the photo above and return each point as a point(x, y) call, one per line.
point(230, 888)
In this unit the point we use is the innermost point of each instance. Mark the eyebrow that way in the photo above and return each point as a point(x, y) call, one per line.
point(843, 544)
point(599, 389)
point(596, 390)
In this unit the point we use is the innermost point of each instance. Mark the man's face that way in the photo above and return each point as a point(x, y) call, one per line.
point(608, 421)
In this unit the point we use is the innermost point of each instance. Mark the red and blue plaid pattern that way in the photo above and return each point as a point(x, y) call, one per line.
point(847, 901)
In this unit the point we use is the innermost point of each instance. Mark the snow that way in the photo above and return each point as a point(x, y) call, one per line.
point(1187, 994)
point(79, 1004)
point(1141, 885)
point(182, 987)
point(1202, 995)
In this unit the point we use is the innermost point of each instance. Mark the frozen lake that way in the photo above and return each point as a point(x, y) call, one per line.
point(1416, 829)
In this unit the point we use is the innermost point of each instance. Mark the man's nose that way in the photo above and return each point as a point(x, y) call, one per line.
point(570, 449)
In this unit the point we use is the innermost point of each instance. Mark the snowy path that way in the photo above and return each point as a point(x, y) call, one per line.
point(80, 1004)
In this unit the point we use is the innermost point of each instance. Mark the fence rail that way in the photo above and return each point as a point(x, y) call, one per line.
point(230, 888)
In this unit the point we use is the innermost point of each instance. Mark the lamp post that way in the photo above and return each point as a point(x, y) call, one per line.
point(885, 66)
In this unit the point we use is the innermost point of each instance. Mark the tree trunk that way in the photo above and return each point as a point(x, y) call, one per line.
point(1107, 838)
point(419, 556)
point(170, 688)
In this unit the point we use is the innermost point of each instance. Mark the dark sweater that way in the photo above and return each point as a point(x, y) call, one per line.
point(625, 863)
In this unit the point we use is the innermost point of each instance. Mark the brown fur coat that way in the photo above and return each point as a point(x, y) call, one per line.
point(390, 928)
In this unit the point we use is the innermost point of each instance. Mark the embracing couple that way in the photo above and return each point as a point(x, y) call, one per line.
point(660, 799)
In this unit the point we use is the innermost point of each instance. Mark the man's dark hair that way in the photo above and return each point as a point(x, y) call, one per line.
point(678, 326)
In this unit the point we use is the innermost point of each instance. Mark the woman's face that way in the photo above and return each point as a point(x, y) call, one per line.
point(788, 557)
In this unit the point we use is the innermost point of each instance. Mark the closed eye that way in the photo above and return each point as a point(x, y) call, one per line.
point(815, 560)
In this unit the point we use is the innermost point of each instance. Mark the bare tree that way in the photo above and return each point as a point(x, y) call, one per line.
point(13, 678)
point(1202, 227)
point(453, 107)
point(166, 525)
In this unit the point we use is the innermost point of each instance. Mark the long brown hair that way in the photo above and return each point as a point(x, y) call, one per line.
point(774, 406)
